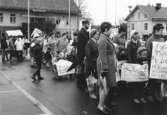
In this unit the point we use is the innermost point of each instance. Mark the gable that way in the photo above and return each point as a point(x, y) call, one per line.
point(150, 11)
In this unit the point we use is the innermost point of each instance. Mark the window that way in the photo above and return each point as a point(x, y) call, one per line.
point(12, 18)
point(67, 23)
point(58, 21)
point(133, 26)
point(145, 15)
point(1, 17)
point(145, 26)
point(139, 15)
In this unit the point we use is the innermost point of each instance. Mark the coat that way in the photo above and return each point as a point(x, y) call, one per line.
point(132, 51)
point(91, 52)
point(106, 61)
point(83, 37)
point(38, 55)
point(4, 44)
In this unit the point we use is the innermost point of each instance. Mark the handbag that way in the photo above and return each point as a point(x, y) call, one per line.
point(103, 85)
point(91, 83)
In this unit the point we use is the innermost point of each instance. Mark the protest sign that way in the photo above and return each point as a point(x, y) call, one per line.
point(62, 67)
point(158, 68)
point(134, 72)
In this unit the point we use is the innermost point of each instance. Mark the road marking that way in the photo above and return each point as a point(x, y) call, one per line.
point(9, 91)
point(29, 96)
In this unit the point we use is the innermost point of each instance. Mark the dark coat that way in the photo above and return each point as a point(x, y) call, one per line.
point(91, 52)
point(107, 61)
point(132, 51)
point(4, 44)
point(38, 55)
point(83, 37)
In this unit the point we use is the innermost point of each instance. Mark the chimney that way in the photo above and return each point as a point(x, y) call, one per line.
point(158, 6)
point(130, 9)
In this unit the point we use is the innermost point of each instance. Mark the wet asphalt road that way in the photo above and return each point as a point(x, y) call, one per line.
point(63, 97)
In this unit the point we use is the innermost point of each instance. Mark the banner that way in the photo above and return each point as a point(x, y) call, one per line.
point(134, 72)
point(14, 33)
point(158, 68)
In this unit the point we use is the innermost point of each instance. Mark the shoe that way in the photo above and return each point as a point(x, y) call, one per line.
point(40, 78)
point(150, 98)
point(33, 78)
point(113, 104)
point(136, 101)
point(102, 110)
point(143, 100)
point(107, 108)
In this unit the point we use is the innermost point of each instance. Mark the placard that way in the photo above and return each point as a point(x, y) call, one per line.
point(63, 66)
point(134, 72)
point(158, 68)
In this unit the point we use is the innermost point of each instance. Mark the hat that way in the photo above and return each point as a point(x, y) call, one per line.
point(158, 26)
point(134, 32)
point(85, 22)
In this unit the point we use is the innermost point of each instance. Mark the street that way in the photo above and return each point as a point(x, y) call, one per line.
point(19, 96)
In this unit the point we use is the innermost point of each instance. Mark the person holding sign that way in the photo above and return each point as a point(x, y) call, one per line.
point(154, 84)
point(138, 87)
point(106, 66)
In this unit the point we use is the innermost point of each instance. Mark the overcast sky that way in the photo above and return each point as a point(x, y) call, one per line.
point(116, 9)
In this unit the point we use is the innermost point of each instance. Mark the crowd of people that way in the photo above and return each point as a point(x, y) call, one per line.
point(98, 55)
point(94, 54)
point(14, 47)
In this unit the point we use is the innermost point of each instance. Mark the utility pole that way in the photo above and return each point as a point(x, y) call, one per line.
point(69, 16)
point(28, 19)
point(106, 9)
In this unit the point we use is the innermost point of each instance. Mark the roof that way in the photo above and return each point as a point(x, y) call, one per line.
point(57, 6)
point(151, 12)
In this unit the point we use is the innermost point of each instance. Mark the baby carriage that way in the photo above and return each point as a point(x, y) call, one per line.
point(62, 63)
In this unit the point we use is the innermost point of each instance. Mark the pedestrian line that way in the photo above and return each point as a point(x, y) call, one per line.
point(29, 96)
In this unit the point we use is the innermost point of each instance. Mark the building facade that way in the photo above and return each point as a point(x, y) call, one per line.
point(143, 18)
point(43, 15)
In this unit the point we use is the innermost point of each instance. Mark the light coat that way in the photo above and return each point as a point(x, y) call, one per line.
point(107, 61)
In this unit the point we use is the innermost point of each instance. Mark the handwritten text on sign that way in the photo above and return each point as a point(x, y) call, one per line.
point(159, 61)
point(134, 72)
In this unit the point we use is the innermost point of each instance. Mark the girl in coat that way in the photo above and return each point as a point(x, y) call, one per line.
point(91, 52)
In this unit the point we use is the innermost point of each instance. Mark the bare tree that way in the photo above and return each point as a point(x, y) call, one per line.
point(83, 8)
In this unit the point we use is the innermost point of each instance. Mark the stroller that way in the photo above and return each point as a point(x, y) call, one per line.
point(63, 65)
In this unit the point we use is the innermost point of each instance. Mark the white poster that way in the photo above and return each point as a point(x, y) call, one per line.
point(63, 66)
point(159, 61)
point(134, 72)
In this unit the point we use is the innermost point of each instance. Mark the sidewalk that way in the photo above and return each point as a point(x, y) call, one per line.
point(13, 101)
